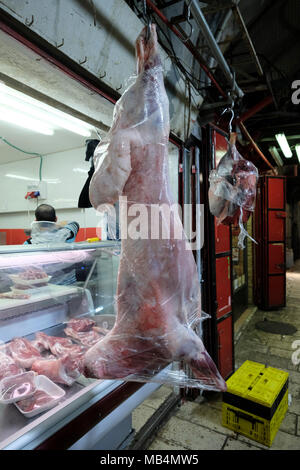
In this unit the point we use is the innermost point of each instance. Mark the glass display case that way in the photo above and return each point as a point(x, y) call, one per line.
point(54, 300)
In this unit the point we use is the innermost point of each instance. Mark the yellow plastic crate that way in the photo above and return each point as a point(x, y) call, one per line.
point(256, 401)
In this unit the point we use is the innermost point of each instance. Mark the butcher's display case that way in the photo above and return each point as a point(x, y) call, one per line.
point(45, 291)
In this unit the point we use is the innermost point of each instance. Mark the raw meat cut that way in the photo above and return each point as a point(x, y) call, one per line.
point(23, 352)
point(81, 324)
point(14, 295)
point(38, 400)
point(58, 346)
point(45, 342)
point(158, 293)
point(8, 367)
point(63, 370)
point(33, 273)
point(86, 338)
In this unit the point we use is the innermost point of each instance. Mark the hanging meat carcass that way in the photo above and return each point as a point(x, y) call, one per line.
point(232, 191)
point(158, 293)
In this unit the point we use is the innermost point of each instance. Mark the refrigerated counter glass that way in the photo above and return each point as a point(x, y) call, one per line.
point(44, 292)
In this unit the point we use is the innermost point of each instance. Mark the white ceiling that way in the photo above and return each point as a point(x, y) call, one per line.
point(30, 141)
point(21, 66)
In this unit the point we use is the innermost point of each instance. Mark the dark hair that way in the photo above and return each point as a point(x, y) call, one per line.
point(45, 212)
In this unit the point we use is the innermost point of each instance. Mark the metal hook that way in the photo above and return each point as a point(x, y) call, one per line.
point(232, 117)
point(148, 21)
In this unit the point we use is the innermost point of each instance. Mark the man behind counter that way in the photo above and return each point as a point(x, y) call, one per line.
point(45, 229)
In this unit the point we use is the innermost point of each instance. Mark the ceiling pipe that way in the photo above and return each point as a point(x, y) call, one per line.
point(255, 109)
point(188, 44)
point(240, 122)
point(256, 148)
point(248, 39)
point(214, 47)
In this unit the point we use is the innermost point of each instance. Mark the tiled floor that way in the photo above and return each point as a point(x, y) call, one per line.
point(197, 425)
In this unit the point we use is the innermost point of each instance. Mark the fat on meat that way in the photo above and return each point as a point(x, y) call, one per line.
point(158, 293)
point(58, 346)
point(23, 352)
point(8, 367)
point(86, 338)
point(81, 324)
point(64, 370)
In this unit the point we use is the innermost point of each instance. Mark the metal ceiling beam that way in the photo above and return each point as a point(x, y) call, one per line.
point(256, 148)
point(188, 44)
point(251, 112)
point(248, 39)
point(255, 20)
point(217, 6)
point(215, 49)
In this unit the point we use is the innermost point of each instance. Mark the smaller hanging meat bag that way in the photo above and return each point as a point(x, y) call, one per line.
point(232, 191)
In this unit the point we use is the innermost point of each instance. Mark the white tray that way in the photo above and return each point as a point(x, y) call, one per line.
point(45, 384)
point(19, 378)
point(28, 282)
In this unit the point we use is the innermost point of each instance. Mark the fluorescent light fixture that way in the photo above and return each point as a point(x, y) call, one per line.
point(275, 154)
point(46, 114)
point(297, 148)
point(19, 177)
point(80, 170)
point(14, 117)
point(284, 145)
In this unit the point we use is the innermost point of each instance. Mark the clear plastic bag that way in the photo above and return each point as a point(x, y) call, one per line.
point(158, 298)
point(232, 191)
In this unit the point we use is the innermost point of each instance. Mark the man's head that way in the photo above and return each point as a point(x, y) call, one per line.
point(44, 212)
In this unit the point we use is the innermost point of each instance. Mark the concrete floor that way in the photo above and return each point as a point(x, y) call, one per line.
point(197, 425)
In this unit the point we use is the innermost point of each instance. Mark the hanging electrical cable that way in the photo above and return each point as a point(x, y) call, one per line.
point(34, 154)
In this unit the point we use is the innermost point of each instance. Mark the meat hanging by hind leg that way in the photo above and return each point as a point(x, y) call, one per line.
point(158, 293)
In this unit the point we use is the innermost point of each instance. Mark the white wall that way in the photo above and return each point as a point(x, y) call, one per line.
point(65, 174)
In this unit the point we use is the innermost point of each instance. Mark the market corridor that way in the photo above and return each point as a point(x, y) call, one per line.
point(197, 425)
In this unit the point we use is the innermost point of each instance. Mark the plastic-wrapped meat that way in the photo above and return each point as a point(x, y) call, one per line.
point(99, 329)
point(232, 191)
point(62, 370)
point(158, 293)
point(232, 187)
point(8, 367)
point(23, 352)
point(81, 324)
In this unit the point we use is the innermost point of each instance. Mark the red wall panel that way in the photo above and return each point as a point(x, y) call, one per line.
point(16, 236)
point(276, 194)
point(222, 238)
point(276, 290)
point(276, 258)
point(225, 346)
point(223, 282)
point(276, 226)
